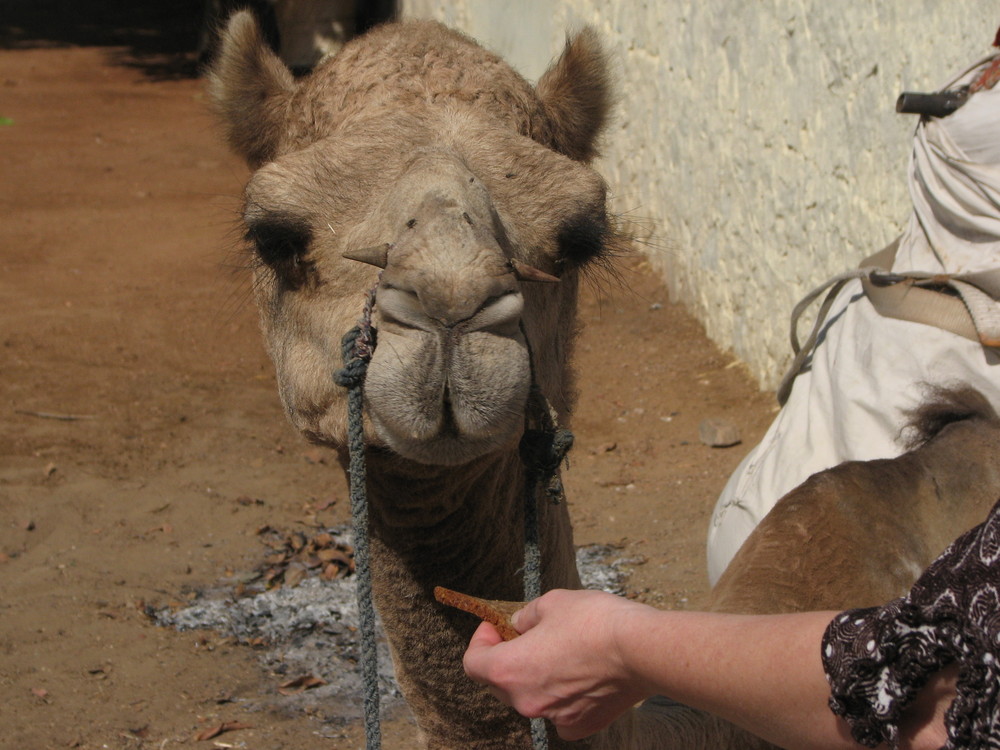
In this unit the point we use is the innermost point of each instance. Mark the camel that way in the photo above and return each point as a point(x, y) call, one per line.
point(416, 164)
point(856, 535)
point(863, 531)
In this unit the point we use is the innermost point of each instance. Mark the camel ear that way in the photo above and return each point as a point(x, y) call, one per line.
point(250, 88)
point(576, 94)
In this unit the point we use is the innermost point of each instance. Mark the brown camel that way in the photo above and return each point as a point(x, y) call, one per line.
point(416, 151)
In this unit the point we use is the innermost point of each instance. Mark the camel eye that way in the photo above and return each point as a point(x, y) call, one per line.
point(282, 244)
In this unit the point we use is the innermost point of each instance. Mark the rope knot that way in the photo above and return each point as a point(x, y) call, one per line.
point(356, 348)
point(542, 452)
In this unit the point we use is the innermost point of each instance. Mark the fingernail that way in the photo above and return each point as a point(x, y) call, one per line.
point(514, 618)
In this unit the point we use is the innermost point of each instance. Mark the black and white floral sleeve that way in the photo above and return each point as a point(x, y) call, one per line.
point(877, 659)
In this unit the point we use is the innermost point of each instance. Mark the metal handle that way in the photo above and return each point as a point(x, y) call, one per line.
point(940, 104)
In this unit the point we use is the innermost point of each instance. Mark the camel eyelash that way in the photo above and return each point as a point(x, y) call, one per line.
point(583, 239)
point(282, 244)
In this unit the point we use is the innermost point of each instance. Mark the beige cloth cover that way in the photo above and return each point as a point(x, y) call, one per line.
point(867, 371)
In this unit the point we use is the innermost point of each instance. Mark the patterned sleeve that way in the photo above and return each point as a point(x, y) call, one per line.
point(877, 659)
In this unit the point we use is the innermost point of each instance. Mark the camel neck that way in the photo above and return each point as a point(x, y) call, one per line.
point(462, 530)
point(413, 506)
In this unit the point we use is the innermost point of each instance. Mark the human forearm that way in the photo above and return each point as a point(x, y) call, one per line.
point(763, 673)
point(585, 657)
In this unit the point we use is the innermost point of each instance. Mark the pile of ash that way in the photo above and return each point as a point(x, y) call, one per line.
point(299, 608)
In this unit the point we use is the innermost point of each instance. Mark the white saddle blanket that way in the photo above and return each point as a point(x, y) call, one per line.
point(868, 371)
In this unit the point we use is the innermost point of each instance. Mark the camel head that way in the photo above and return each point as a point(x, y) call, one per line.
point(416, 163)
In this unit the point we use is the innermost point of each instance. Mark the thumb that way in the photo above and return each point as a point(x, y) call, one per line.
point(527, 617)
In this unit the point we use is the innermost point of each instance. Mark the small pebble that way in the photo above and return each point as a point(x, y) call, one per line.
point(718, 433)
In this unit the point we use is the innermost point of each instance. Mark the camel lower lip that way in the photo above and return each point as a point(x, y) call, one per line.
point(445, 449)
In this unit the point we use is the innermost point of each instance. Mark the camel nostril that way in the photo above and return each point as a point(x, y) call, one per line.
point(500, 313)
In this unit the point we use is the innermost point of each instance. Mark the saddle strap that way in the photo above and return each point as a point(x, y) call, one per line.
point(964, 304)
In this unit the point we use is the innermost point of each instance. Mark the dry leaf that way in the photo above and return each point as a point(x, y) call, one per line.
point(40, 693)
point(332, 572)
point(334, 555)
point(226, 726)
point(300, 684)
point(294, 576)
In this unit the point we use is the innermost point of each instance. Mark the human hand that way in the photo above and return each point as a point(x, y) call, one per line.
point(568, 666)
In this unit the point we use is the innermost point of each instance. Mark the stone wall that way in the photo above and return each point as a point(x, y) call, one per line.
point(756, 150)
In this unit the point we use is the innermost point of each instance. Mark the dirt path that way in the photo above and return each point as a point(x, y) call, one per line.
point(144, 447)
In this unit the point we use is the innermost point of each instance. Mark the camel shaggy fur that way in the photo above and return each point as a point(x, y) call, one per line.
point(417, 152)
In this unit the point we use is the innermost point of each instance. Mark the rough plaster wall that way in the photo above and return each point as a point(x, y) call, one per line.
point(756, 146)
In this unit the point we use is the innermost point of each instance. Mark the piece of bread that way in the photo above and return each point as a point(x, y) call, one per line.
point(497, 613)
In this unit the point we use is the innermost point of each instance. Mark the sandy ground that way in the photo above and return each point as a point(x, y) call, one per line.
point(143, 446)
